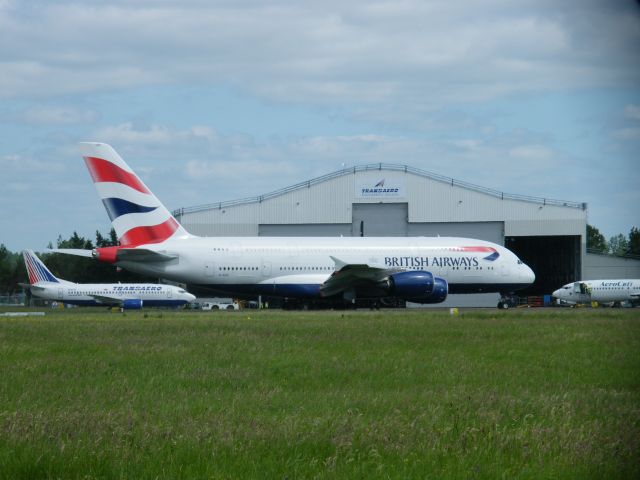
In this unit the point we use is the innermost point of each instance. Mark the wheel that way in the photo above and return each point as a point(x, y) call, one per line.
point(500, 305)
point(229, 307)
point(215, 307)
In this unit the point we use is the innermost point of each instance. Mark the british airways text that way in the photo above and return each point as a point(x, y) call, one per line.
point(431, 261)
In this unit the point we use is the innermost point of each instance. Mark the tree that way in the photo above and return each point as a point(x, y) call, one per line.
point(595, 240)
point(619, 245)
point(634, 241)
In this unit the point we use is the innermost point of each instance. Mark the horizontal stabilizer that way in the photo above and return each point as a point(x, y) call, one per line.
point(73, 251)
point(143, 255)
point(31, 287)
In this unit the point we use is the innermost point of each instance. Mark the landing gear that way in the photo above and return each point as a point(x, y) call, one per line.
point(507, 301)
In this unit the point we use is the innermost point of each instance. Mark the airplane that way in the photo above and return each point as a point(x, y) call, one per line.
point(601, 291)
point(417, 269)
point(127, 296)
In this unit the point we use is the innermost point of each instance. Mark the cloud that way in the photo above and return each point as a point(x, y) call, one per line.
point(53, 115)
point(416, 54)
point(632, 112)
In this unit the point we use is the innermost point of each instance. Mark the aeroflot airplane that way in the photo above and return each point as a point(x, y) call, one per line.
point(44, 284)
point(416, 269)
point(602, 291)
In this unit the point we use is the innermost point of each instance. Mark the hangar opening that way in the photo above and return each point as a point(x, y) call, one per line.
point(556, 260)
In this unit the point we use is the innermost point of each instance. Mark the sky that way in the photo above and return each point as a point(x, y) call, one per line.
point(218, 100)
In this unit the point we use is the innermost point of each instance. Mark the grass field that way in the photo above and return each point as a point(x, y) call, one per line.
point(517, 394)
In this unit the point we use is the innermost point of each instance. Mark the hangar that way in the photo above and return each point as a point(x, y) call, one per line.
point(398, 200)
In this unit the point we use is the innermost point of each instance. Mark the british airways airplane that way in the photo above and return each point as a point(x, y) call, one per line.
point(417, 269)
point(44, 284)
point(601, 291)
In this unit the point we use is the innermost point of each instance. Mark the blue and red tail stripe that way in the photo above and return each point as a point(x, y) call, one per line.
point(117, 207)
point(151, 234)
point(105, 171)
point(37, 270)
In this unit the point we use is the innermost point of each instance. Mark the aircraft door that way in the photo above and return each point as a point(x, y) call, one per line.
point(208, 269)
point(266, 268)
point(60, 293)
point(169, 293)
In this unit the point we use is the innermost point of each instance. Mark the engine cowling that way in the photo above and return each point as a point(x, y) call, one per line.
point(132, 304)
point(418, 287)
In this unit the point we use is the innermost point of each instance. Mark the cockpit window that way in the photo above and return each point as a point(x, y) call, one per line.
point(519, 262)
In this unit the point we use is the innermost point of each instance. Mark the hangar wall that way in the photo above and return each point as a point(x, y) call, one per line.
point(430, 198)
point(396, 200)
point(598, 267)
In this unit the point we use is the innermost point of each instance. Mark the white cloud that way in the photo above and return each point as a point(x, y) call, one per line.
point(632, 111)
point(424, 53)
point(56, 116)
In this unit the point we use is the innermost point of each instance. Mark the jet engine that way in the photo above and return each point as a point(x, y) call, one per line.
point(132, 304)
point(418, 287)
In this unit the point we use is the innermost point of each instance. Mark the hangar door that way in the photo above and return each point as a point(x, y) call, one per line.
point(489, 231)
point(380, 219)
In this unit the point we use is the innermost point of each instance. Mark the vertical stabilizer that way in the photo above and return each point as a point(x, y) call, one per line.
point(38, 272)
point(136, 214)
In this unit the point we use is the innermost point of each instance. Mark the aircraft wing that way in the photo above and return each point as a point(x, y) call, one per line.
point(350, 275)
point(107, 300)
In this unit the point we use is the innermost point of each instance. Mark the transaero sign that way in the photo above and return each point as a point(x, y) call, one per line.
point(380, 187)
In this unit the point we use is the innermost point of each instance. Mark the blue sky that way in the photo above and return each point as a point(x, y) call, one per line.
point(211, 101)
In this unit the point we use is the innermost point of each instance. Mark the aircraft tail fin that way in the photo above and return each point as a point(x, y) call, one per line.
point(137, 216)
point(38, 272)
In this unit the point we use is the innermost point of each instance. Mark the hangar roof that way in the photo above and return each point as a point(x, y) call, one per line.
point(386, 167)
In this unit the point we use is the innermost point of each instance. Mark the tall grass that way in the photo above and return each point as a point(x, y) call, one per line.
point(333, 394)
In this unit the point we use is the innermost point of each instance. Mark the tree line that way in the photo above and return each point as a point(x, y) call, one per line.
point(68, 267)
point(617, 245)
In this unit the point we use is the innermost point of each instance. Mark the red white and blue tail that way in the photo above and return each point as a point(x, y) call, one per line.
point(38, 272)
point(136, 214)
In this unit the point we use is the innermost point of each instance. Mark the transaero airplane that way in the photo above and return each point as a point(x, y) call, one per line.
point(44, 284)
point(602, 291)
point(416, 269)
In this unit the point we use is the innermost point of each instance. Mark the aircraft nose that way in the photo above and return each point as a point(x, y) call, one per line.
point(529, 276)
point(556, 293)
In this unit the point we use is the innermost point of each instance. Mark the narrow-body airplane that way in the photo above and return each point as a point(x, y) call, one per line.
point(44, 284)
point(417, 269)
point(601, 291)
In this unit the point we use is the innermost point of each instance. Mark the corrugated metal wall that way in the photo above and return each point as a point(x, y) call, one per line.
point(429, 201)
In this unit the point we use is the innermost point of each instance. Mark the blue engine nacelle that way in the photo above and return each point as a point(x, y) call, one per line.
point(418, 287)
point(132, 304)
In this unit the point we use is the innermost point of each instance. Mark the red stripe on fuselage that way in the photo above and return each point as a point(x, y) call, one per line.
point(104, 171)
point(478, 249)
point(153, 234)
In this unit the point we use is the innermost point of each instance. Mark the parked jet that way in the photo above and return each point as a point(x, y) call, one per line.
point(417, 269)
point(601, 291)
point(44, 284)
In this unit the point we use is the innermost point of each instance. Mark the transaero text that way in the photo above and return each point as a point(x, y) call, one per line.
point(431, 261)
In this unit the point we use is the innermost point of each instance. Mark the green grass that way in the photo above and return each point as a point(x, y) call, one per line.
point(518, 394)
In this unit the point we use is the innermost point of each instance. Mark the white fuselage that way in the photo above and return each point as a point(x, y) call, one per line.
point(603, 291)
point(284, 266)
point(151, 294)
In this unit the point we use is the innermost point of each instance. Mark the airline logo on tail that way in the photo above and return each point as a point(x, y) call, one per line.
point(37, 270)
point(137, 215)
